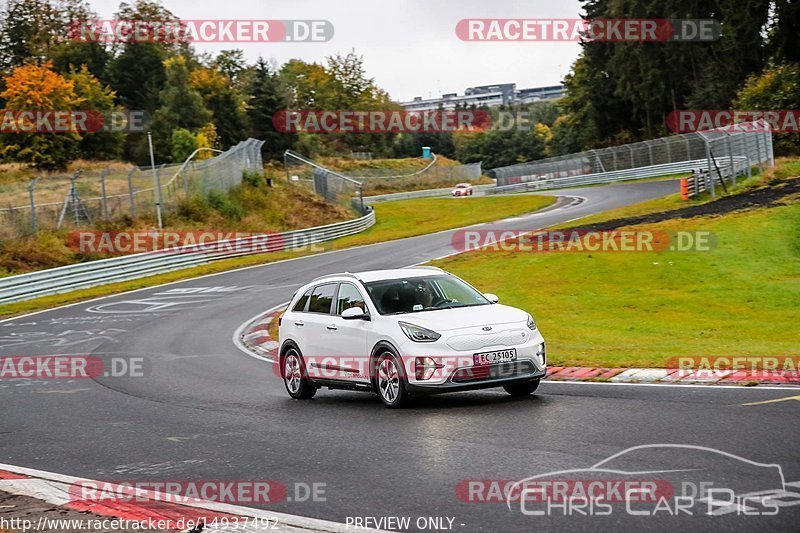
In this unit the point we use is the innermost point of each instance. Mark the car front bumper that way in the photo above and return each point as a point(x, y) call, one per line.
point(458, 371)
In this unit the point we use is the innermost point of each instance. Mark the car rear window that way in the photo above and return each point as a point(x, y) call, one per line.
point(301, 303)
point(322, 298)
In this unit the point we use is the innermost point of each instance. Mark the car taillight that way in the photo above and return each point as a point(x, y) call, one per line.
point(280, 318)
point(425, 367)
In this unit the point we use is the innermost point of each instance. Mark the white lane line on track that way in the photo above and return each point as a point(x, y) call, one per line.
point(54, 488)
point(237, 335)
point(263, 265)
point(683, 386)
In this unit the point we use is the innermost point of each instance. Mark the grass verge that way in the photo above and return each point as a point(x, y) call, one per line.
point(641, 309)
point(394, 220)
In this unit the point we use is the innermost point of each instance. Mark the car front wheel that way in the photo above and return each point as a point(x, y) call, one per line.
point(522, 389)
point(295, 379)
point(390, 384)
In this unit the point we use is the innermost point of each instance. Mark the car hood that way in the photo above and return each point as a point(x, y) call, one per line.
point(464, 317)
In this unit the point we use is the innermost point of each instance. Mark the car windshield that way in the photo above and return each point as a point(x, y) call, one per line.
point(412, 295)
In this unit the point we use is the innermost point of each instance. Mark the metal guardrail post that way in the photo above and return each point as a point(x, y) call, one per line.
point(758, 149)
point(103, 175)
point(710, 175)
point(131, 194)
point(730, 157)
point(31, 187)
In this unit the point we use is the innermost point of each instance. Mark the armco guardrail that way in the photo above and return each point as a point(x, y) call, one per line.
point(604, 177)
point(738, 146)
point(424, 193)
point(93, 273)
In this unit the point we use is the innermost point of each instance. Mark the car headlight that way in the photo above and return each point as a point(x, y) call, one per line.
point(531, 323)
point(418, 334)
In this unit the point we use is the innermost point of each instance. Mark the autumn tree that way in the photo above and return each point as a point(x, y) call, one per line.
point(38, 88)
point(97, 98)
point(226, 103)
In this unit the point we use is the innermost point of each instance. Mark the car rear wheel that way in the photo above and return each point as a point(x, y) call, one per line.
point(295, 379)
point(390, 384)
point(522, 389)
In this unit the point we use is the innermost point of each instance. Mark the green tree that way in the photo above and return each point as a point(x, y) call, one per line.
point(105, 144)
point(183, 144)
point(774, 89)
point(30, 29)
point(225, 102)
point(268, 95)
point(180, 107)
point(784, 29)
point(625, 90)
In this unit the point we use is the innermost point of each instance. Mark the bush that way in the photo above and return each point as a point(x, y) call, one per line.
point(776, 88)
point(252, 178)
point(183, 144)
point(227, 208)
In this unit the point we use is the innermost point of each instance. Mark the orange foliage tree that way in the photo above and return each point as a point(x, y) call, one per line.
point(37, 89)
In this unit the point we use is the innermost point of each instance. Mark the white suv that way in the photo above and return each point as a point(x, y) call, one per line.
point(405, 332)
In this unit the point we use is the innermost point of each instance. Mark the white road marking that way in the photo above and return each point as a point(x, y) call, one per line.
point(54, 489)
point(708, 386)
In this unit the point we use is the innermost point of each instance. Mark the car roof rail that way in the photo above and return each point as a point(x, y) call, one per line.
point(427, 267)
point(340, 274)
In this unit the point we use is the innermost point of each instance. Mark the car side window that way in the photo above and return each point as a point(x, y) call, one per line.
point(301, 303)
point(349, 296)
point(322, 298)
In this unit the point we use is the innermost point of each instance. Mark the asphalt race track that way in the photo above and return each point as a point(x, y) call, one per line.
point(207, 411)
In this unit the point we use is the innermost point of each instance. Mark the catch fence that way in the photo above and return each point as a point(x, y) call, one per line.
point(724, 153)
point(118, 190)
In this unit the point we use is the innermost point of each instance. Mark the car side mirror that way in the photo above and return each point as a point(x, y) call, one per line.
point(491, 297)
point(354, 313)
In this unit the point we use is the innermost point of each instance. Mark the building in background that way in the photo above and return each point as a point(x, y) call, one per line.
point(488, 96)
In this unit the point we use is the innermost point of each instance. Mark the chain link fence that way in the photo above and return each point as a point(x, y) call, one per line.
point(118, 191)
point(351, 186)
point(726, 152)
point(334, 187)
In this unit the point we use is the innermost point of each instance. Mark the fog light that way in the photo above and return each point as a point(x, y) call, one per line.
point(541, 353)
point(425, 367)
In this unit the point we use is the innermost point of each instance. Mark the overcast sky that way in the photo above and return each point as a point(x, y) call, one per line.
point(409, 46)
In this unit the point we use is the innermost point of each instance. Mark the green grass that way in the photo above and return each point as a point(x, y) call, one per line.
point(408, 218)
point(403, 218)
point(639, 309)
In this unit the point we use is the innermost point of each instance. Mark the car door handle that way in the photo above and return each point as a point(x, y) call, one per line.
point(332, 327)
point(299, 323)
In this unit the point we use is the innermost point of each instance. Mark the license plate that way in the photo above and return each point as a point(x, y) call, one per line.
point(489, 358)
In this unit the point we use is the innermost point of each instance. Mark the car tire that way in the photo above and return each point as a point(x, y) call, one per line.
point(390, 381)
point(519, 390)
point(295, 379)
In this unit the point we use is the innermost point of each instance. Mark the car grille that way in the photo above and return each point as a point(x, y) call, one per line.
point(476, 341)
point(498, 371)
